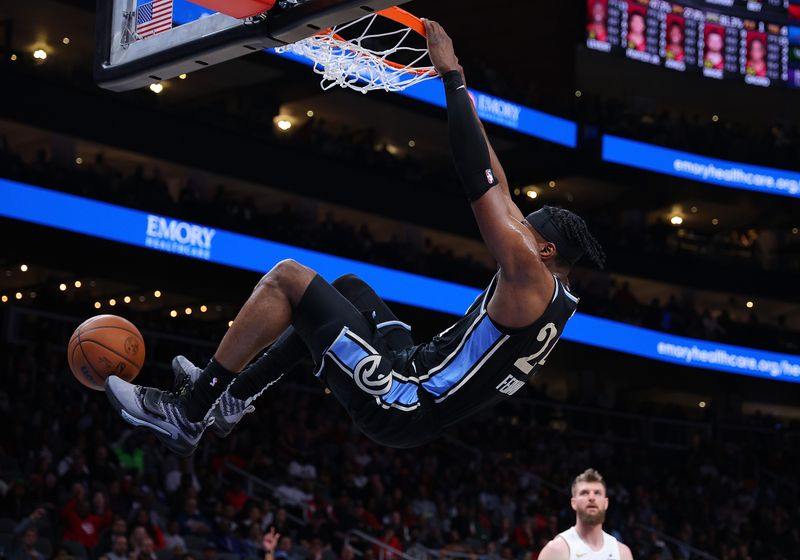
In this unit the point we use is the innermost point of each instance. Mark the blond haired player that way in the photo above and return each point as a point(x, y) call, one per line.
point(587, 540)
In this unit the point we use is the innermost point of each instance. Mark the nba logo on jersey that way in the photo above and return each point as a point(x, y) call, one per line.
point(510, 385)
point(490, 176)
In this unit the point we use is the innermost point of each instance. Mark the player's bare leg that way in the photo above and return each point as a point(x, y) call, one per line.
point(179, 418)
point(265, 315)
point(285, 353)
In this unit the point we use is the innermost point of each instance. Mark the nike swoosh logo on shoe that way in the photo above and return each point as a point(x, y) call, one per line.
point(144, 423)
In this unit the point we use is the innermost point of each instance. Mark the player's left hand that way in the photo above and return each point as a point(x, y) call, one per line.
point(440, 47)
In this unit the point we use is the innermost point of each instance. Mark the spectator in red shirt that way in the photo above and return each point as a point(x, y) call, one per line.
point(524, 536)
point(366, 518)
point(236, 497)
point(389, 538)
point(80, 523)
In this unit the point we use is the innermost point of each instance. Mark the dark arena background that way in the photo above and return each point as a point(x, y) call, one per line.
point(672, 127)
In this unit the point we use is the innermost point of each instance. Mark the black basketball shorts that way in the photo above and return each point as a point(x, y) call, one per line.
point(361, 351)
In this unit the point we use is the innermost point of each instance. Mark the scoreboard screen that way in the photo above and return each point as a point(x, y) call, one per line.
point(757, 42)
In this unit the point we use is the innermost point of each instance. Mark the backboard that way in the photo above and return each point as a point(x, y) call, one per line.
point(130, 54)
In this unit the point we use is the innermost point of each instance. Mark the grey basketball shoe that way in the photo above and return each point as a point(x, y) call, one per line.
point(162, 412)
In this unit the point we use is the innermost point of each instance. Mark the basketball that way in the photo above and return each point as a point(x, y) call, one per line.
point(105, 345)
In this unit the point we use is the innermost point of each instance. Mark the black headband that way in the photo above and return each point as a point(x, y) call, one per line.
point(544, 223)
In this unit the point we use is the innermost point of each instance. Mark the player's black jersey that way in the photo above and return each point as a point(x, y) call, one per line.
point(403, 395)
point(474, 364)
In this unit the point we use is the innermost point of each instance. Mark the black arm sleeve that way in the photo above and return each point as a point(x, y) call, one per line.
point(470, 152)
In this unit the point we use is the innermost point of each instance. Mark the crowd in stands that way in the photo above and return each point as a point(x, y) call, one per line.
point(76, 482)
point(773, 144)
point(617, 300)
point(285, 223)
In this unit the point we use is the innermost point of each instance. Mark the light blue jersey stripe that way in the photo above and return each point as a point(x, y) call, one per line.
point(348, 352)
point(402, 393)
point(482, 338)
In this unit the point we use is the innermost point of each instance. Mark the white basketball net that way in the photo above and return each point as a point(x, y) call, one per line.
point(349, 64)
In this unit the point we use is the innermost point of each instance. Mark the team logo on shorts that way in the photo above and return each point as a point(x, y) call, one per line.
point(373, 375)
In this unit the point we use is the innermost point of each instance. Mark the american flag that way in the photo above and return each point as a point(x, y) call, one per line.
point(153, 16)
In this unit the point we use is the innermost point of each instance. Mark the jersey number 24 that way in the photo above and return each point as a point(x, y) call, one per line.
point(547, 335)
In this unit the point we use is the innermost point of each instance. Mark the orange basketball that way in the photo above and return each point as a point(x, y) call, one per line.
point(105, 345)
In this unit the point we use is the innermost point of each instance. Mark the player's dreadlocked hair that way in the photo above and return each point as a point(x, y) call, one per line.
point(576, 230)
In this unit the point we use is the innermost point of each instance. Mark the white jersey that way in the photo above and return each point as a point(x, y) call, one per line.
point(579, 550)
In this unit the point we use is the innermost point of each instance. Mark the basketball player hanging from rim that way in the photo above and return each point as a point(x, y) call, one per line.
point(586, 540)
point(398, 393)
